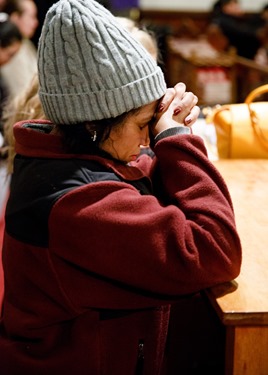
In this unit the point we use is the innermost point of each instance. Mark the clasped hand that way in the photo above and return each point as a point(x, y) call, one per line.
point(177, 107)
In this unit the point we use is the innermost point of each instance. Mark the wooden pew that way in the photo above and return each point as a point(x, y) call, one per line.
point(242, 305)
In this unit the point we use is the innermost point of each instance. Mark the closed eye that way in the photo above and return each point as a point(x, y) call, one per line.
point(143, 126)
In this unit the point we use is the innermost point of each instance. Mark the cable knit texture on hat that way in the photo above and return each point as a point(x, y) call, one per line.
point(90, 67)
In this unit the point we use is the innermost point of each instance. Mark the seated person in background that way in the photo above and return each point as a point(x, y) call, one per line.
point(229, 27)
point(18, 73)
point(10, 43)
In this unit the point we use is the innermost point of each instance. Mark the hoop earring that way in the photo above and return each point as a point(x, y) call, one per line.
point(94, 136)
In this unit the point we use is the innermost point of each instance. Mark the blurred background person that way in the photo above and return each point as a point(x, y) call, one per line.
point(42, 6)
point(245, 36)
point(10, 43)
point(230, 27)
point(18, 72)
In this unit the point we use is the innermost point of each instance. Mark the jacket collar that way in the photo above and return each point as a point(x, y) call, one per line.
point(33, 138)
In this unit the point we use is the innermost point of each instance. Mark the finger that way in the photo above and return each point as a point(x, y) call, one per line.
point(177, 90)
point(183, 106)
point(193, 116)
point(180, 88)
point(189, 98)
point(166, 100)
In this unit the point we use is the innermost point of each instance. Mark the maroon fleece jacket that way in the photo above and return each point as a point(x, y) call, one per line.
point(95, 251)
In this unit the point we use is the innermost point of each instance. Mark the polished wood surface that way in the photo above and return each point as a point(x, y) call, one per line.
point(247, 181)
point(242, 305)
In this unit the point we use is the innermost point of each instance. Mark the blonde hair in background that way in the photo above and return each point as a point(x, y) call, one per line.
point(145, 37)
point(26, 106)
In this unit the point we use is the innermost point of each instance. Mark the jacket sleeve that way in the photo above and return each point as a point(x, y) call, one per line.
point(114, 248)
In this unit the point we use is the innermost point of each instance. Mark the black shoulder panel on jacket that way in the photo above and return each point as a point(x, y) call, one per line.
point(37, 184)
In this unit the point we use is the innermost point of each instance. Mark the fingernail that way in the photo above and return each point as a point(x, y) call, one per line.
point(177, 111)
point(188, 120)
point(160, 107)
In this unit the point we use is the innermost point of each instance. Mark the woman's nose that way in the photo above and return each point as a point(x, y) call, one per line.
point(146, 138)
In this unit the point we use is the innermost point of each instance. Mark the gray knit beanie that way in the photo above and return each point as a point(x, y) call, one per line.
point(90, 67)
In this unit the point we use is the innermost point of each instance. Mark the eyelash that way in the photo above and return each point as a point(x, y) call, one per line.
point(143, 126)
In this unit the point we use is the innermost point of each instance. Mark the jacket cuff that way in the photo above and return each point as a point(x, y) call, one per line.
point(172, 131)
